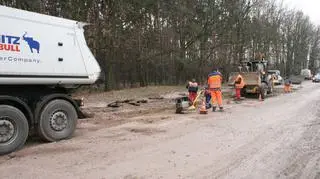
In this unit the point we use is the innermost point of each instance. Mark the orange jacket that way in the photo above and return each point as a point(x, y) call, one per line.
point(214, 80)
point(239, 82)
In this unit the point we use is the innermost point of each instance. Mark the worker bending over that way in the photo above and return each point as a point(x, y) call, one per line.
point(239, 84)
point(192, 87)
point(214, 85)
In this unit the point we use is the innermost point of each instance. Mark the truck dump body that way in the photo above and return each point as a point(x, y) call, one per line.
point(41, 58)
point(39, 49)
point(250, 78)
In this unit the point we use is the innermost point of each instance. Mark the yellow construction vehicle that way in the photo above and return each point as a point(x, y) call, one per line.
point(257, 81)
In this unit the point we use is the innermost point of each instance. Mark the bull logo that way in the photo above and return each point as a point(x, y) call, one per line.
point(33, 44)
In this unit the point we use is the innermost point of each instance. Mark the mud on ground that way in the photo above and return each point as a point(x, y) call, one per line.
point(150, 141)
point(104, 116)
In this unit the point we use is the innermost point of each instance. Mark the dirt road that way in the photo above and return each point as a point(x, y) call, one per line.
point(277, 138)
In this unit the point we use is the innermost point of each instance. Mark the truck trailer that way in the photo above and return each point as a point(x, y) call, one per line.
point(42, 60)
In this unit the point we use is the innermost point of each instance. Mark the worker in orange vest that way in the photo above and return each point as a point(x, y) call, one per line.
point(239, 84)
point(214, 85)
point(192, 87)
point(287, 85)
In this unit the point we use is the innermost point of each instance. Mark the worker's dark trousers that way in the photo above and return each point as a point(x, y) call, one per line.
point(208, 100)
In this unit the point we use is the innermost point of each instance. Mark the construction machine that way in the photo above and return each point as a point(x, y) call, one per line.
point(184, 104)
point(257, 80)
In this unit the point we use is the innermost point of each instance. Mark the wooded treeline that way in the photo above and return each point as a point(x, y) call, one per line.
point(143, 42)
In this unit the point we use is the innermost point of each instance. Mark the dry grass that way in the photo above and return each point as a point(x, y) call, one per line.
point(133, 93)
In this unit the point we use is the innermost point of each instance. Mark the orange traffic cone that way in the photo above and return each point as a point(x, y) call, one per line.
point(203, 109)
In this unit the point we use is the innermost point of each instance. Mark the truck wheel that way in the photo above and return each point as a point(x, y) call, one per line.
point(270, 90)
point(263, 90)
point(58, 121)
point(14, 129)
point(243, 92)
point(179, 110)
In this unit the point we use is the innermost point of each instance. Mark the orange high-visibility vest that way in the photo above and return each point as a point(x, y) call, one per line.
point(214, 80)
point(241, 84)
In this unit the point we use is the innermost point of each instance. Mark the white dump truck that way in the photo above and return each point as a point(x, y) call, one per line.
point(42, 59)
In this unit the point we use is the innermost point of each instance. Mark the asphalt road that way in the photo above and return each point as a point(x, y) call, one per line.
point(277, 138)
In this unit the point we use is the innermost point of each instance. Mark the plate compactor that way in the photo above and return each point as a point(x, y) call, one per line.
point(183, 104)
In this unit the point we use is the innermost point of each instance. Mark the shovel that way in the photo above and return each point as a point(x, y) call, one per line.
point(195, 100)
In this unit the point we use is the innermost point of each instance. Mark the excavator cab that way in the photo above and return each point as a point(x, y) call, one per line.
point(255, 66)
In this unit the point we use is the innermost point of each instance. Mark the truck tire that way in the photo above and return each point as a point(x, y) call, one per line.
point(243, 92)
point(179, 110)
point(58, 121)
point(269, 88)
point(14, 129)
point(263, 90)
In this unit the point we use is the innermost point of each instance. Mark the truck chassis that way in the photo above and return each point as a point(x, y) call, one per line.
point(49, 112)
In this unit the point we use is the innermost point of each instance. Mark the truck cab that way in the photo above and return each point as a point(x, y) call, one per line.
point(306, 73)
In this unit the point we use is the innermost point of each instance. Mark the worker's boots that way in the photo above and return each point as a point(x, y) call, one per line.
point(214, 108)
point(208, 106)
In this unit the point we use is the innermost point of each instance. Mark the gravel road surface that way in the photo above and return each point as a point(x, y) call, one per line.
point(277, 138)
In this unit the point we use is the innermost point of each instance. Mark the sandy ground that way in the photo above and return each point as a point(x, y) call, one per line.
point(277, 138)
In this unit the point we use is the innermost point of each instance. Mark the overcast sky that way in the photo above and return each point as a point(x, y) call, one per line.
point(309, 7)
